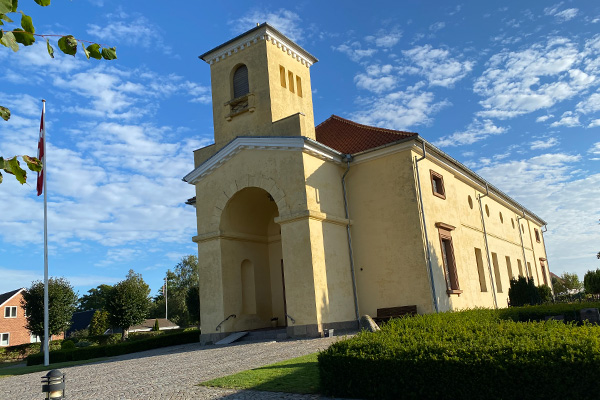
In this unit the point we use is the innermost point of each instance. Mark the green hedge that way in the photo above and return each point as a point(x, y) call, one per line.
point(86, 353)
point(570, 311)
point(473, 354)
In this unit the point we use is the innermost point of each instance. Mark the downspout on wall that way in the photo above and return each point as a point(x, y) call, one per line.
point(487, 247)
point(422, 210)
point(528, 273)
point(348, 159)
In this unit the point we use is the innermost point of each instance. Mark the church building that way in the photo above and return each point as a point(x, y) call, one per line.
point(310, 227)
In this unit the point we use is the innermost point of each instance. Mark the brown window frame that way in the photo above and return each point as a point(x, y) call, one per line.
point(449, 261)
point(434, 175)
point(537, 235)
point(544, 268)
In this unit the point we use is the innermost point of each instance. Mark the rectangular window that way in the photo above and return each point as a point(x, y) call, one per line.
point(509, 268)
point(437, 184)
point(282, 76)
point(10, 312)
point(543, 267)
point(520, 267)
point(529, 273)
point(448, 259)
point(537, 235)
point(291, 81)
point(497, 272)
point(4, 339)
point(299, 86)
point(34, 338)
point(480, 270)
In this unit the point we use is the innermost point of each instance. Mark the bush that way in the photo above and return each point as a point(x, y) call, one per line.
point(156, 327)
point(569, 311)
point(523, 291)
point(473, 354)
point(67, 344)
point(545, 293)
point(117, 349)
point(591, 281)
point(83, 343)
point(99, 323)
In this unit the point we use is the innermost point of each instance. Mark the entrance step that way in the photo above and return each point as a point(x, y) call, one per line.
point(270, 334)
point(232, 338)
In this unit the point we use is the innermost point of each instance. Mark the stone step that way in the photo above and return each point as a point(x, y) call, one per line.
point(271, 334)
point(232, 338)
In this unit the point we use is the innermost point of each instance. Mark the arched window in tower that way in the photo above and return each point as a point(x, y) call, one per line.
point(240, 82)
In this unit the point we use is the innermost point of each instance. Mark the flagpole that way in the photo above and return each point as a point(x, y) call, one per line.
point(46, 344)
point(166, 289)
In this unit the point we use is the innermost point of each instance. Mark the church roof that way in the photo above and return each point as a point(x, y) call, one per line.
point(349, 137)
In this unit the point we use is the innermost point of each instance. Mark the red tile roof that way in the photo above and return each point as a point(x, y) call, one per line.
point(350, 137)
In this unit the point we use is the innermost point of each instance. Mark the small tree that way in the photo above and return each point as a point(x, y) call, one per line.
point(523, 291)
point(99, 323)
point(62, 302)
point(156, 327)
point(192, 300)
point(95, 299)
point(591, 282)
point(545, 293)
point(128, 303)
point(566, 282)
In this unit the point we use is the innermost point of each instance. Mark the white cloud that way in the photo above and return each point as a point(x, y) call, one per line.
point(377, 79)
point(132, 30)
point(517, 83)
point(595, 149)
point(546, 185)
point(476, 131)
point(594, 123)
point(590, 104)
point(399, 110)
point(354, 51)
point(543, 144)
point(562, 16)
point(436, 65)
point(544, 118)
point(568, 119)
point(437, 26)
point(385, 38)
point(287, 22)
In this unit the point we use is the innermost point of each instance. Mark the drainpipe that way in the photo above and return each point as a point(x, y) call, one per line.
point(546, 256)
point(522, 245)
point(348, 158)
point(487, 247)
point(428, 250)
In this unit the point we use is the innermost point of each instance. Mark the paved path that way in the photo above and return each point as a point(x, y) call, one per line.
point(168, 373)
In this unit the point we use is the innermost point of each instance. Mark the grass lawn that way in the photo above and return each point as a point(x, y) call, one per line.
point(297, 375)
point(11, 371)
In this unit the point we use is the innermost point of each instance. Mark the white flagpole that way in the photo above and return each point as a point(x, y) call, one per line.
point(46, 342)
point(166, 289)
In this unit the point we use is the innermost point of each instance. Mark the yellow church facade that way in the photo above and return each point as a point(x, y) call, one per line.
point(309, 228)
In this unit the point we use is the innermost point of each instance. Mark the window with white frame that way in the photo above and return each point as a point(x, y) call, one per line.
point(10, 312)
point(34, 338)
point(4, 339)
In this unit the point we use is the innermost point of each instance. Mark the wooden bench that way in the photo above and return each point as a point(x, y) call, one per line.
point(385, 314)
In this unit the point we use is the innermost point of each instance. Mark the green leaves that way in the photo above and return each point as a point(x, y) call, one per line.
point(8, 40)
point(27, 23)
point(68, 45)
point(13, 167)
point(23, 37)
point(87, 53)
point(4, 113)
point(94, 51)
point(33, 163)
point(6, 6)
point(50, 48)
point(43, 3)
point(109, 54)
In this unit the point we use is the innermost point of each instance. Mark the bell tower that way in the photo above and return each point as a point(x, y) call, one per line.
point(260, 86)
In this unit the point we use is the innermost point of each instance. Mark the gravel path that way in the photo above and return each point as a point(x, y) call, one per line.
point(168, 373)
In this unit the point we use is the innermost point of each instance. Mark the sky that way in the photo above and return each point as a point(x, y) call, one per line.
point(510, 89)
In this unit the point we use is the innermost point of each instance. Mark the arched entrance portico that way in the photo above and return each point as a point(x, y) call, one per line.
point(251, 257)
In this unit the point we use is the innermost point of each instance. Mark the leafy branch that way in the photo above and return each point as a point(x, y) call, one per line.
point(25, 36)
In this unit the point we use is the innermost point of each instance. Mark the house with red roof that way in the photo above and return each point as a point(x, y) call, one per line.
point(308, 228)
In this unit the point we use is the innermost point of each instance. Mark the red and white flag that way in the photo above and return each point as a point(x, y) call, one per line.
point(40, 177)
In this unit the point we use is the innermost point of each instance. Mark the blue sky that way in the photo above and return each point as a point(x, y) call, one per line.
point(510, 89)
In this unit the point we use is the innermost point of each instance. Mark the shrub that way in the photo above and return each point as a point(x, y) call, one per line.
point(473, 354)
point(67, 344)
point(545, 293)
point(120, 348)
point(83, 343)
point(570, 311)
point(591, 281)
point(523, 291)
point(99, 323)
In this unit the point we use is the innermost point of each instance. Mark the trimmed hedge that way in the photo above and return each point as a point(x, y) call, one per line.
point(570, 311)
point(86, 353)
point(472, 354)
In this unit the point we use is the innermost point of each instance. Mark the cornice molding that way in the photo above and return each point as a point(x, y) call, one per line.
point(267, 33)
point(238, 144)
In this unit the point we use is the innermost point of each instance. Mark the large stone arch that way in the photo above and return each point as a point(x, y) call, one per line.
point(245, 181)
